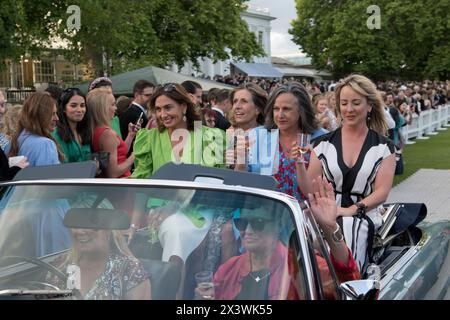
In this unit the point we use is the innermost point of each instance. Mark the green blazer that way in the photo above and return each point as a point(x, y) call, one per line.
point(153, 149)
point(72, 150)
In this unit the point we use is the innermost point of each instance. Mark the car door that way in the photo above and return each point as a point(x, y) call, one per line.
point(324, 275)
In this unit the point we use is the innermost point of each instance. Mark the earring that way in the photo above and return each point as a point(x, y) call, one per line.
point(369, 115)
point(184, 116)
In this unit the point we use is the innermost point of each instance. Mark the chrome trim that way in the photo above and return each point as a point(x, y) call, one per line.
point(153, 182)
point(286, 199)
point(302, 239)
point(393, 271)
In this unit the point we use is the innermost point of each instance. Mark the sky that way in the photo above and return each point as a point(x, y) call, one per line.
point(285, 12)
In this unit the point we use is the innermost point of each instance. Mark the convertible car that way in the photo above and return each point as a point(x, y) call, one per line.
point(190, 219)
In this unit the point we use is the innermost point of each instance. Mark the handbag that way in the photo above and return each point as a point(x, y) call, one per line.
point(102, 158)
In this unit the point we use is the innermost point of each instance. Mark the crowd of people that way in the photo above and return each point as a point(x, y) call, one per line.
point(353, 129)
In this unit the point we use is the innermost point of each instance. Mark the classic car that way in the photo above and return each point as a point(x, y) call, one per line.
point(190, 217)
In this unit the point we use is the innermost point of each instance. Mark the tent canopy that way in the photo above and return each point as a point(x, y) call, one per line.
point(263, 70)
point(123, 83)
point(302, 72)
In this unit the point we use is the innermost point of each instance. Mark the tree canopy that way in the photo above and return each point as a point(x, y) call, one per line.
point(129, 33)
point(412, 41)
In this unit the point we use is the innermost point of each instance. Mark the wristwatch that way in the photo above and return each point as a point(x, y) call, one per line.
point(361, 209)
point(337, 235)
point(133, 226)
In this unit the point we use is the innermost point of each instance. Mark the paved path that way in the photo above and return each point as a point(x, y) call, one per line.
point(429, 186)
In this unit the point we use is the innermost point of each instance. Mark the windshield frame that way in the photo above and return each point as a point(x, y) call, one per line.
point(299, 218)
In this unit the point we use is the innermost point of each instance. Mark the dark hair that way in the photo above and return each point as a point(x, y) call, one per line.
point(177, 93)
point(212, 94)
point(222, 95)
point(123, 102)
point(191, 86)
point(208, 112)
point(140, 85)
point(259, 97)
point(307, 121)
point(54, 91)
point(84, 127)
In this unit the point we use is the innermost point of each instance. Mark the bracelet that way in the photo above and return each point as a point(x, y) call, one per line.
point(337, 235)
point(361, 209)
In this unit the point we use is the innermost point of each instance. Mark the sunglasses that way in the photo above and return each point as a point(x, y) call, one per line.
point(169, 87)
point(257, 224)
point(67, 92)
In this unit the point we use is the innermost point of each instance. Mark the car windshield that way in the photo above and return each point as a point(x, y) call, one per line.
point(191, 243)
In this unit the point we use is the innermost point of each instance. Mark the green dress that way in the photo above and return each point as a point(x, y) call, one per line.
point(115, 125)
point(153, 149)
point(73, 152)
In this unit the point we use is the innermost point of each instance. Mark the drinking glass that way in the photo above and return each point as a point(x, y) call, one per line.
point(304, 140)
point(205, 285)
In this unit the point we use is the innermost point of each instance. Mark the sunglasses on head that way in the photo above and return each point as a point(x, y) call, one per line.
point(257, 224)
point(67, 92)
point(169, 87)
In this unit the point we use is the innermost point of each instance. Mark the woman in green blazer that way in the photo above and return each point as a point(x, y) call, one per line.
point(179, 137)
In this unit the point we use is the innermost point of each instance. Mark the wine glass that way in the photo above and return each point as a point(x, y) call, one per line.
point(304, 140)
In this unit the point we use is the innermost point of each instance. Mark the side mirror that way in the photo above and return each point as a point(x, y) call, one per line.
point(361, 289)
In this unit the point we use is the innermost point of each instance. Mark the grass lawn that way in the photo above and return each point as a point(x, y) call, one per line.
point(433, 153)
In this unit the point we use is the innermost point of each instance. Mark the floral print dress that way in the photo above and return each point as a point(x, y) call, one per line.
point(287, 175)
point(121, 274)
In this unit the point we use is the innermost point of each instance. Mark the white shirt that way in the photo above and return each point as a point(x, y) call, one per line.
point(390, 121)
point(218, 110)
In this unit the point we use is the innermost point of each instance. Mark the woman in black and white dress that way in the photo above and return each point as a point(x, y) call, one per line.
point(358, 160)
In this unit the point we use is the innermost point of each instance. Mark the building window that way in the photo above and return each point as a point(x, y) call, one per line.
point(260, 38)
point(44, 71)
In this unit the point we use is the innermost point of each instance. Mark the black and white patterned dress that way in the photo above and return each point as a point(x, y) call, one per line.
point(354, 184)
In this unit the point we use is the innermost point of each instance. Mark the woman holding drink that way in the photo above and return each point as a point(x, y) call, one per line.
point(291, 120)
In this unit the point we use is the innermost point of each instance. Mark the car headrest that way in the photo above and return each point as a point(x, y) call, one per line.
point(73, 170)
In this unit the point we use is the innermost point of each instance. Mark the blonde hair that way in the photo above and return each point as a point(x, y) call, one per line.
point(119, 241)
point(11, 120)
point(365, 87)
point(98, 102)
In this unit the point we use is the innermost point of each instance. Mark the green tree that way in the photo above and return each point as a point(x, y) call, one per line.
point(134, 33)
point(412, 42)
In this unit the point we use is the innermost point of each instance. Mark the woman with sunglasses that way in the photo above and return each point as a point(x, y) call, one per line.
point(265, 266)
point(175, 138)
point(179, 137)
point(74, 129)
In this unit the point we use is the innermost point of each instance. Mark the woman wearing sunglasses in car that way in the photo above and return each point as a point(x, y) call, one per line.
point(74, 129)
point(257, 273)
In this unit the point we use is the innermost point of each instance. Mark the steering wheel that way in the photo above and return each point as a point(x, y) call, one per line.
point(47, 266)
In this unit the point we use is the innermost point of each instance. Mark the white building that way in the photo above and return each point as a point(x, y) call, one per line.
point(258, 20)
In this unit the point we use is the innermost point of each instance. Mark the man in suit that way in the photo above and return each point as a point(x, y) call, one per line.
point(142, 92)
point(221, 105)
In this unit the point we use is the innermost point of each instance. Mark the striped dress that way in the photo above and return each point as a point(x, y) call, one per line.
point(354, 184)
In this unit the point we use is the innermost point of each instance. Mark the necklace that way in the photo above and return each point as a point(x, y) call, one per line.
point(258, 278)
